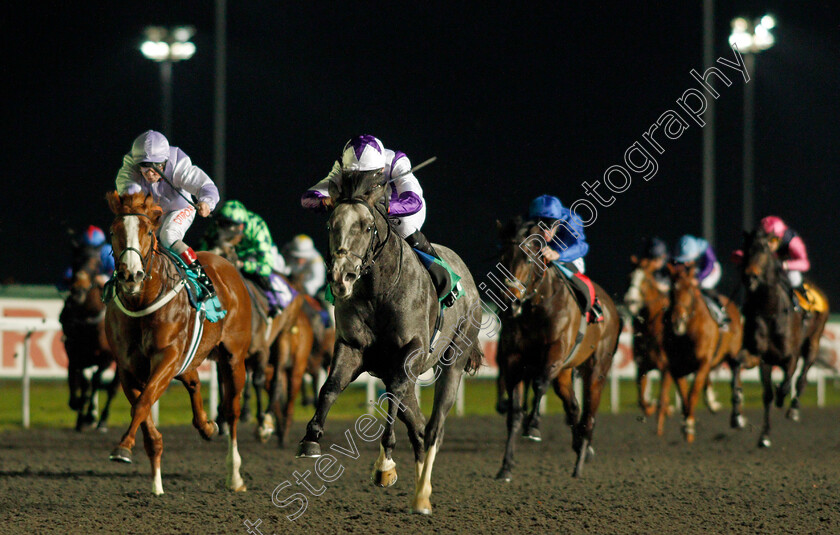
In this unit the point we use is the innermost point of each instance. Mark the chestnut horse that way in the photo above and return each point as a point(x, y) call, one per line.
point(149, 325)
point(83, 324)
point(647, 300)
point(280, 343)
point(540, 341)
point(696, 344)
point(774, 331)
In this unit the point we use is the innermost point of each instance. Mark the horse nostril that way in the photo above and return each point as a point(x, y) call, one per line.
point(139, 275)
point(350, 277)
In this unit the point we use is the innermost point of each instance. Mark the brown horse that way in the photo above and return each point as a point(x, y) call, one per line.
point(696, 344)
point(540, 341)
point(774, 330)
point(83, 324)
point(149, 324)
point(279, 343)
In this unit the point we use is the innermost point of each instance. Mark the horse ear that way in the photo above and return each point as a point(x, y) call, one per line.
point(334, 191)
point(114, 203)
point(634, 260)
point(672, 269)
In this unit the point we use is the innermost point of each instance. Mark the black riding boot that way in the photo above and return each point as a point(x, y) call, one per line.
point(202, 278)
point(440, 276)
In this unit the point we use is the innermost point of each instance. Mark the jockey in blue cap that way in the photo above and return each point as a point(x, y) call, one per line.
point(656, 250)
point(694, 251)
point(92, 243)
point(565, 246)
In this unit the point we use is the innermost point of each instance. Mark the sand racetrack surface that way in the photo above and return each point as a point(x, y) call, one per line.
point(60, 481)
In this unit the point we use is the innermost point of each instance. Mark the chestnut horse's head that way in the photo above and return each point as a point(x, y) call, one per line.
point(644, 288)
point(685, 293)
point(353, 228)
point(760, 265)
point(133, 238)
point(521, 258)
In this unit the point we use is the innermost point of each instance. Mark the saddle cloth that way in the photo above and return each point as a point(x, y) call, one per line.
point(810, 300)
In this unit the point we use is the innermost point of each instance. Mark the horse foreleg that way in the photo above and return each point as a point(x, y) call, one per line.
point(245, 414)
point(514, 425)
point(153, 442)
point(784, 387)
point(767, 398)
point(207, 429)
point(265, 424)
point(737, 420)
point(532, 429)
point(234, 381)
point(564, 388)
point(446, 390)
point(294, 382)
point(594, 377)
point(664, 400)
point(346, 367)
point(142, 407)
point(132, 393)
point(809, 357)
point(384, 472)
point(701, 377)
point(641, 389)
point(502, 401)
point(415, 424)
point(106, 409)
point(95, 385)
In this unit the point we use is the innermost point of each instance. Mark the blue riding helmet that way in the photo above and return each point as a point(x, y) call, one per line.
point(689, 248)
point(546, 206)
point(93, 236)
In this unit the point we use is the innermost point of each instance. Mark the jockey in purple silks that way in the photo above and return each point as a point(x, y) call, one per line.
point(406, 206)
point(167, 173)
point(697, 252)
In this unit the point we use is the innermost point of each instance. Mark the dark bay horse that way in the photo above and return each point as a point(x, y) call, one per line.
point(282, 343)
point(150, 324)
point(386, 308)
point(773, 329)
point(696, 344)
point(83, 324)
point(540, 341)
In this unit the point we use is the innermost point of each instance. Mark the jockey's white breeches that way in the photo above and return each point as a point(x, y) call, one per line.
point(174, 225)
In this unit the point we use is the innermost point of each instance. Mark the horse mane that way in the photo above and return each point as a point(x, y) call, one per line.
point(134, 203)
point(369, 186)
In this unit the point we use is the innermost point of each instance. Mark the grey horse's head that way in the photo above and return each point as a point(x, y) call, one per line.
point(353, 227)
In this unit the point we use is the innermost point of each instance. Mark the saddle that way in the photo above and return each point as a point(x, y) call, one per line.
point(197, 294)
point(583, 290)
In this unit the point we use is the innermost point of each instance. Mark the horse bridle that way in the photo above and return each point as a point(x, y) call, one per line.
point(375, 245)
point(145, 260)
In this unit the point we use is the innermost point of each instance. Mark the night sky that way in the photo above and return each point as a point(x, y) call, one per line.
point(515, 101)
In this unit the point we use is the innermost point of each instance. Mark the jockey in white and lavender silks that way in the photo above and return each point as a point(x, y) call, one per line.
point(167, 173)
point(406, 206)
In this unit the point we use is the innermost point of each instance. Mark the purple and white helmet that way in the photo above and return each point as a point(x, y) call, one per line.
point(363, 153)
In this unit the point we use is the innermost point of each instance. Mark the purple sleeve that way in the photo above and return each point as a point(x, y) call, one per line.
point(408, 203)
point(709, 260)
point(312, 200)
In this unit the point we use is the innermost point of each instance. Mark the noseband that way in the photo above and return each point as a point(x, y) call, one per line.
point(375, 245)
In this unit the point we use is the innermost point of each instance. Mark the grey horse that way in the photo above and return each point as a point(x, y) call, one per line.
point(386, 310)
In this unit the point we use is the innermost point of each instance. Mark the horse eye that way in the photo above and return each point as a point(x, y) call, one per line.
point(368, 229)
point(328, 227)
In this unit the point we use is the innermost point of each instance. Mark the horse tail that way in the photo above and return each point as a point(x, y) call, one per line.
point(475, 360)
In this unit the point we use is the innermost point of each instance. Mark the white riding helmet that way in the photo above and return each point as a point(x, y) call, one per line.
point(302, 246)
point(150, 146)
point(363, 153)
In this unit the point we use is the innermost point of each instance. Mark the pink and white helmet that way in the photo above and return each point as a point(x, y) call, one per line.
point(363, 153)
point(774, 225)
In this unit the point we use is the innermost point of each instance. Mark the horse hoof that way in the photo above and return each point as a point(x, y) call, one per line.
point(422, 507)
point(503, 407)
point(738, 422)
point(384, 479)
point(264, 434)
point(590, 453)
point(793, 414)
point(504, 475)
point(689, 438)
point(240, 488)
point(308, 450)
point(121, 455)
point(764, 442)
point(102, 429)
point(533, 435)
